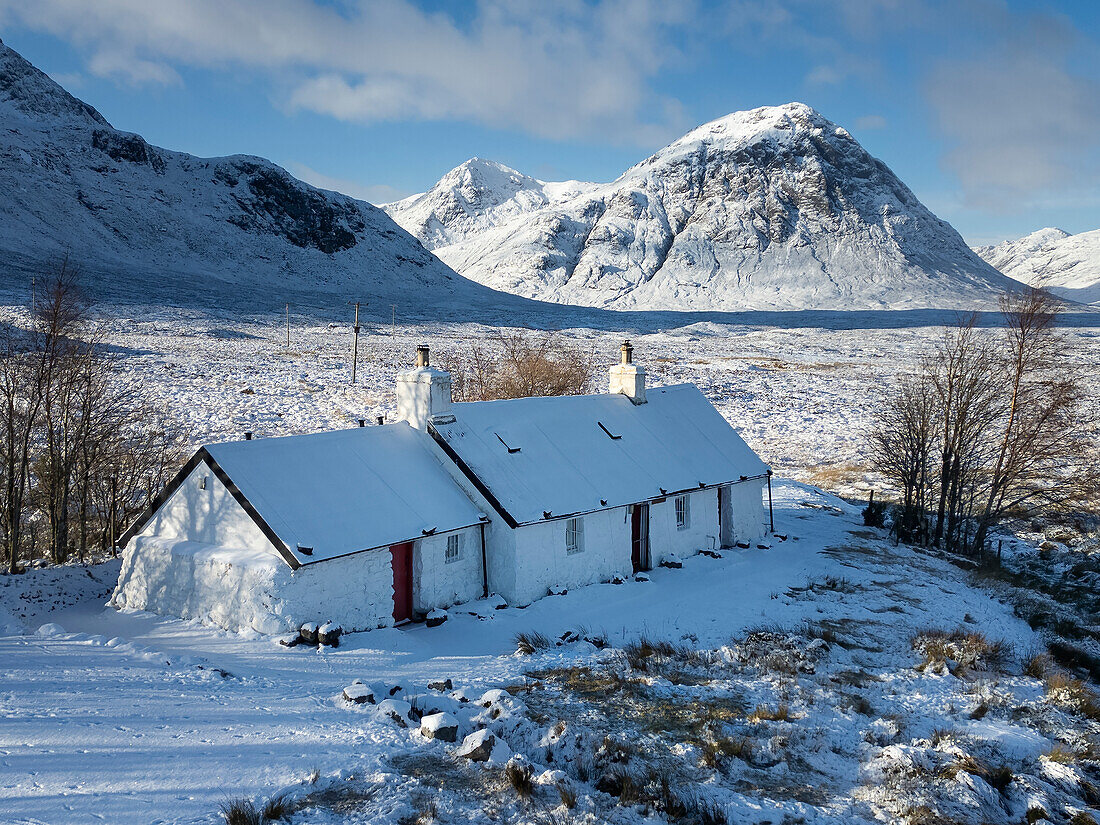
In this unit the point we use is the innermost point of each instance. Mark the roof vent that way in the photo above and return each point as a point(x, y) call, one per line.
point(305, 551)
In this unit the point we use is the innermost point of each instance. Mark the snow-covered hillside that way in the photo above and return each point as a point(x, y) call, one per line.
point(149, 222)
point(774, 208)
point(1068, 264)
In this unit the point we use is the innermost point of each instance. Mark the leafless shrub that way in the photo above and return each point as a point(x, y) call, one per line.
point(520, 364)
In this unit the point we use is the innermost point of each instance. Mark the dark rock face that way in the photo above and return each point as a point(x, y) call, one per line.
point(127, 148)
point(279, 205)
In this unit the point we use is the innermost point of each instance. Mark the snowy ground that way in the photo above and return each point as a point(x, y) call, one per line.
point(123, 717)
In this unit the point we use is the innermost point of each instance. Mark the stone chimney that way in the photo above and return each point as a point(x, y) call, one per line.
point(627, 378)
point(423, 392)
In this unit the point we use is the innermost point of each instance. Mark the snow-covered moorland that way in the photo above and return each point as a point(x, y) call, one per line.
point(790, 689)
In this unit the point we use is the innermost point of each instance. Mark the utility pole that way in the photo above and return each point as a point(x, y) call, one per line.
point(393, 329)
point(355, 344)
point(288, 326)
point(32, 296)
point(114, 504)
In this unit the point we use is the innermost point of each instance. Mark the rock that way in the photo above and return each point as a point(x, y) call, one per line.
point(290, 640)
point(441, 726)
point(493, 697)
point(360, 694)
point(395, 711)
point(569, 637)
point(672, 561)
point(396, 689)
point(744, 545)
point(710, 554)
point(436, 618)
point(329, 634)
point(460, 695)
point(309, 633)
point(641, 577)
point(617, 579)
point(497, 602)
point(446, 684)
point(557, 591)
point(478, 746)
point(763, 547)
point(781, 538)
point(426, 704)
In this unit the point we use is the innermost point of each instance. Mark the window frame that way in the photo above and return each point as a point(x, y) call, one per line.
point(683, 512)
point(574, 536)
point(447, 557)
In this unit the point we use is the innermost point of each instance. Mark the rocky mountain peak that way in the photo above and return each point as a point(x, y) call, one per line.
point(32, 93)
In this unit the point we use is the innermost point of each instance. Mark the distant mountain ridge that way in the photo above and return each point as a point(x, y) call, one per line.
point(774, 208)
point(1069, 265)
point(146, 221)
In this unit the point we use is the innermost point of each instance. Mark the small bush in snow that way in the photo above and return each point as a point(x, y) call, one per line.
point(423, 811)
point(1082, 818)
point(959, 652)
point(531, 642)
point(277, 807)
point(241, 812)
point(519, 776)
point(1036, 665)
point(763, 713)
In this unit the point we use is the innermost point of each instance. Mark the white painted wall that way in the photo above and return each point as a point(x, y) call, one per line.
point(437, 583)
point(202, 557)
point(701, 532)
point(749, 510)
point(542, 561)
point(211, 516)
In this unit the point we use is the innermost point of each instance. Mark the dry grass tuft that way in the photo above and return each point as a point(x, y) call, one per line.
point(959, 652)
point(716, 752)
point(531, 642)
point(998, 777)
point(1068, 693)
point(1036, 665)
point(763, 713)
point(519, 776)
point(1062, 754)
point(424, 811)
point(241, 812)
point(1082, 818)
point(276, 808)
point(568, 796)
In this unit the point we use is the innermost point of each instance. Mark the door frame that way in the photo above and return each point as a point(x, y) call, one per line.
point(401, 558)
point(639, 538)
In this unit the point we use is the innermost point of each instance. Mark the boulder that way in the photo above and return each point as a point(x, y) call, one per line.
point(395, 711)
point(641, 577)
point(441, 726)
point(478, 746)
point(359, 693)
point(290, 639)
point(329, 634)
point(429, 703)
point(445, 685)
point(672, 561)
point(308, 633)
point(436, 618)
point(710, 554)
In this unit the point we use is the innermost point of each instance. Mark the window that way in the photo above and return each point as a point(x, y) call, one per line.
point(574, 536)
point(683, 513)
point(454, 548)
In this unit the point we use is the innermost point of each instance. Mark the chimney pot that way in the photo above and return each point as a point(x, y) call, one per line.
point(422, 359)
point(380, 420)
point(627, 352)
point(248, 435)
point(362, 422)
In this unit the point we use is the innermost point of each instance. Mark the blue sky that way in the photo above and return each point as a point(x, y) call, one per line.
point(989, 110)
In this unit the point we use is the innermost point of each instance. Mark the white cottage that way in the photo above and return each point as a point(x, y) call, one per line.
point(378, 525)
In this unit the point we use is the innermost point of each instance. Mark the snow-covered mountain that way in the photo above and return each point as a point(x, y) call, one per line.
point(774, 208)
point(145, 222)
point(1068, 264)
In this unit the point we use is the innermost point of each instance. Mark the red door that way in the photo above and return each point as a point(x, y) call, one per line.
point(402, 581)
point(639, 537)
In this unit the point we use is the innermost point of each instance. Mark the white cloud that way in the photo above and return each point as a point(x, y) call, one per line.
point(1019, 123)
point(557, 70)
point(376, 193)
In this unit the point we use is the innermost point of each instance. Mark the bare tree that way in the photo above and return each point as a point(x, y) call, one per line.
point(520, 364)
point(1001, 413)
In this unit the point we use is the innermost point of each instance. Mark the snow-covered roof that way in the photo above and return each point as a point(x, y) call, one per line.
point(346, 490)
point(574, 454)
